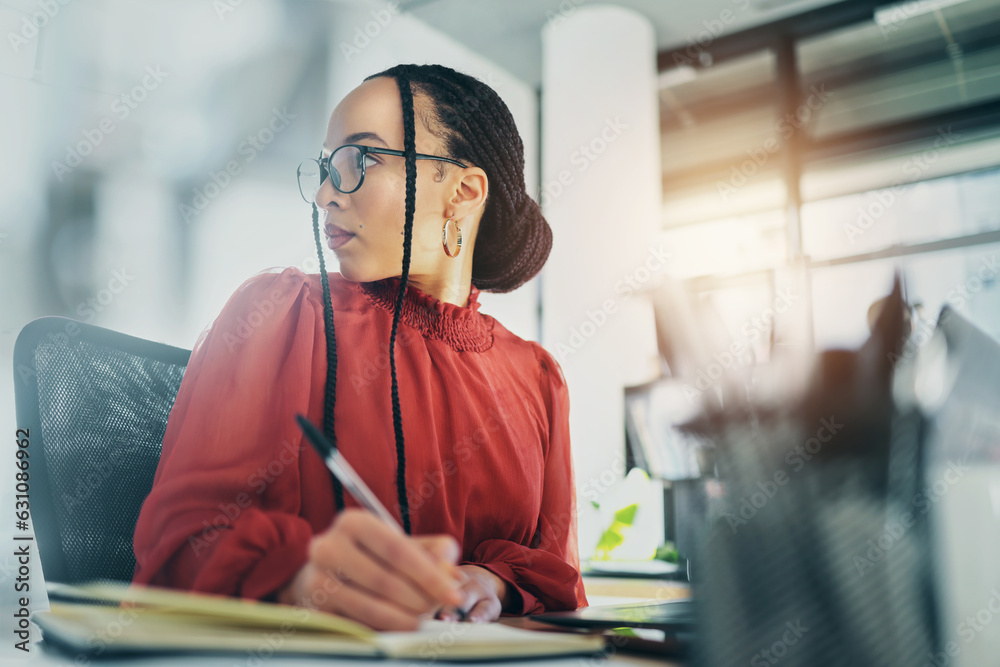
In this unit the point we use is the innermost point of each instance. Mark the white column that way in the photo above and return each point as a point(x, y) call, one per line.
point(601, 194)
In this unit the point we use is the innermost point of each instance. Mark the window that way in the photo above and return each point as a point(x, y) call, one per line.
point(852, 141)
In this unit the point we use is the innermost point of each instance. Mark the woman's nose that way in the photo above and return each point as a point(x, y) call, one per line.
point(327, 195)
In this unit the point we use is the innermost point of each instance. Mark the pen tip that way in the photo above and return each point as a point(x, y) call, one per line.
point(313, 435)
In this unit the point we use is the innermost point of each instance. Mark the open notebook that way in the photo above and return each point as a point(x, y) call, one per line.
point(149, 619)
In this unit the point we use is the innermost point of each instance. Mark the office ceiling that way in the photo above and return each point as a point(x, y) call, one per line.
point(509, 32)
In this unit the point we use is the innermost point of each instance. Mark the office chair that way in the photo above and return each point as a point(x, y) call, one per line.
point(95, 403)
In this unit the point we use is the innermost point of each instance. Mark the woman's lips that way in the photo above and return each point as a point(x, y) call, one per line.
point(338, 239)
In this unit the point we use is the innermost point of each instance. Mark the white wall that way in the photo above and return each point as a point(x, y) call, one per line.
point(601, 185)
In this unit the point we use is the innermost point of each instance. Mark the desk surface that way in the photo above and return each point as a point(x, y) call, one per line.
point(603, 590)
point(43, 654)
point(45, 657)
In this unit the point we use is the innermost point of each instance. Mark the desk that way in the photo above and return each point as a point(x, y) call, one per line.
point(42, 655)
point(616, 590)
point(600, 590)
point(281, 661)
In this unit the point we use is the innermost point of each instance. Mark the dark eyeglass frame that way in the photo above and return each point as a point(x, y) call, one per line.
point(325, 164)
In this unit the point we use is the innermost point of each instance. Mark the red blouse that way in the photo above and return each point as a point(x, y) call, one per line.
point(239, 492)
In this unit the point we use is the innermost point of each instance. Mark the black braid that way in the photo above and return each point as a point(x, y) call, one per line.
point(331, 359)
point(409, 147)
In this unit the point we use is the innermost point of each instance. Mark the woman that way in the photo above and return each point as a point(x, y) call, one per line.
point(482, 481)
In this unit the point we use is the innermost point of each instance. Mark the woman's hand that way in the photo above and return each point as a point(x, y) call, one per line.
point(363, 569)
point(485, 593)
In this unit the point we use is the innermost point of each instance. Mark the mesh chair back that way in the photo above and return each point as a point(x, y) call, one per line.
point(95, 403)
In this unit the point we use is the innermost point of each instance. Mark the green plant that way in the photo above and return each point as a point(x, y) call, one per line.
point(667, 552)
point(615, 534)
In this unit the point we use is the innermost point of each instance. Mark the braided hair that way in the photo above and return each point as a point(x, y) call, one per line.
point(513, 240)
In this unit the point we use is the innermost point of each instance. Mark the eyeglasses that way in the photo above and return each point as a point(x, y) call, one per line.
point(346, 168)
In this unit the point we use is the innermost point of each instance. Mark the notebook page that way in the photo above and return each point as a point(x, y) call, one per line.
point(438, 639)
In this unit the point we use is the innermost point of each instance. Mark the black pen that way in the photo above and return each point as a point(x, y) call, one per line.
point(339, 466)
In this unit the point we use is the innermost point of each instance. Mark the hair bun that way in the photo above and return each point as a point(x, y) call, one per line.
point(527, 207)
point(504, 264)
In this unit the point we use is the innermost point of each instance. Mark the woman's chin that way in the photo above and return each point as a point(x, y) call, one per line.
point(356, 274)
point(348, 273)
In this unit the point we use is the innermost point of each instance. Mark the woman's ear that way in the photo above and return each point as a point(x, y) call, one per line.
point(470, 192)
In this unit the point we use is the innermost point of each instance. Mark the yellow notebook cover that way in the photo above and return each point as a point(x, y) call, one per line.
point(149, 619)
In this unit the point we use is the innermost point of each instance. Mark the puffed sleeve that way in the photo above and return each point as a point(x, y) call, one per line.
point(223, 513)
point(545, 575)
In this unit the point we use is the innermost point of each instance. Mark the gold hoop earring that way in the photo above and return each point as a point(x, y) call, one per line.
point(444, 239)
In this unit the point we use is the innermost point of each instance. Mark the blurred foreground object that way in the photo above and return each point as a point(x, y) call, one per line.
point(820, 553)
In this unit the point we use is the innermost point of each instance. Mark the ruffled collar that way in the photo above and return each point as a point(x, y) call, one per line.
point(462, 328)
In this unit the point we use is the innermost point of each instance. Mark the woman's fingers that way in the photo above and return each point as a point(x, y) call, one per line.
point(444, 547)
point(480, 604)
point(331, 590)
point(358, 536)
point(486, 610)
point(402, 553)
point(379, 614)
point(363, 572)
